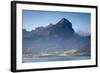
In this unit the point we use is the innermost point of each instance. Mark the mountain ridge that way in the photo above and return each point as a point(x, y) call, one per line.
point(62, 27)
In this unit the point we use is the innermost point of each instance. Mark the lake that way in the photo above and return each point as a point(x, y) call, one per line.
point(48, 59)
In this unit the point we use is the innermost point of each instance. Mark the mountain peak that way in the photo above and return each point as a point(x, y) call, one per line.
point(64, 19)
point(65, 22)
point(63, 28)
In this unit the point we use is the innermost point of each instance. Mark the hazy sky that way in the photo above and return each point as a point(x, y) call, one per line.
point(32, 19)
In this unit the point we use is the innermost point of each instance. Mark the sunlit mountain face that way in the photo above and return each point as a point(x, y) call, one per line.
point(55, 39)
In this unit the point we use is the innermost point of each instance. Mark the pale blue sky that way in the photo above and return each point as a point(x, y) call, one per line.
point(32, 19)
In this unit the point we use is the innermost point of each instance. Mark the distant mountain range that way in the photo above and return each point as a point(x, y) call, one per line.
point(54, 38)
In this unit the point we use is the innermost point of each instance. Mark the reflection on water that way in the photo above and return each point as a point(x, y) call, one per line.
point(48, 59)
